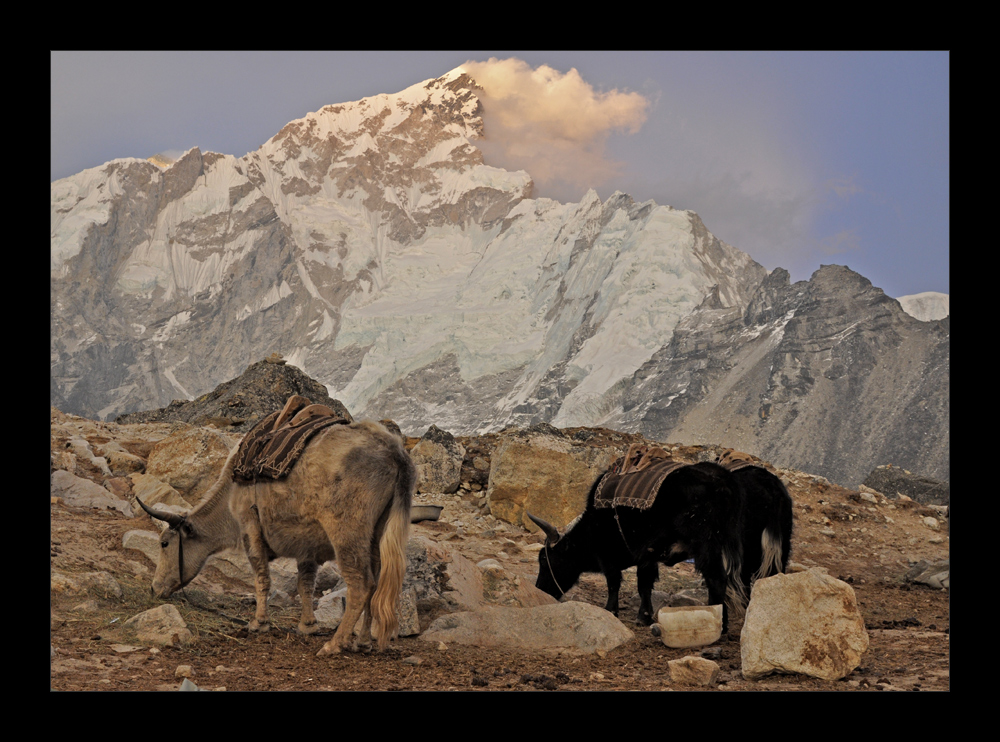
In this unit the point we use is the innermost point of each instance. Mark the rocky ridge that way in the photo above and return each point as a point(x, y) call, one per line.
point(469, 562)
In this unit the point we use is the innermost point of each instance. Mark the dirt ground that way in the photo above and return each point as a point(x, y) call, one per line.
point(868, 545)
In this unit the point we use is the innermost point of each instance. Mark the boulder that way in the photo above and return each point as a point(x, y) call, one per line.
point(807, 623)
point(690, 626)
point(101, 584)
point(190, 460)
point(152, 491)
point(570, 628)
point(546, 473)
point(123, 463)
point(933, 574)
point(447, 582)
point(693, 670)
point(83, 493)
point(438, 458)
point(161, 625)
point(120, 487)
point(330, 611)
point(87, 463)
point(893, 481)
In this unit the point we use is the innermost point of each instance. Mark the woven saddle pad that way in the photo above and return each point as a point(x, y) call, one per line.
point(270, 448)
point(637, 488)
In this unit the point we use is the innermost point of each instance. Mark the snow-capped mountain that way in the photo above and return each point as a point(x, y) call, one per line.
point(372, 246)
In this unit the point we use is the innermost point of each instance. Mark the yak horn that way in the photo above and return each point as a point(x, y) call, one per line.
point(552, 535)
point(174, 521)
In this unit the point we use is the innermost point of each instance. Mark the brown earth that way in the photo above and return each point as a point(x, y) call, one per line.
point(871, 547)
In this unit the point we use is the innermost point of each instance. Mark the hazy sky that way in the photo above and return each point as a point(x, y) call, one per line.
point(797, 158)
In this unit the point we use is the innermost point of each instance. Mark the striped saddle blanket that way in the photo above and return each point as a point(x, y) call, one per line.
point(270, 448)
point(633, 480)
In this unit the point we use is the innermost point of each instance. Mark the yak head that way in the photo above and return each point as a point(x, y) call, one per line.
point(559, 566)
point(183, 552)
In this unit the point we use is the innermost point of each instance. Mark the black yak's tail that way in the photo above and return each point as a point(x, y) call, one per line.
point(767, 524)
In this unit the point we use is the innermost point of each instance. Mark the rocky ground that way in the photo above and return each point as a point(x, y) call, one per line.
point(868, 540)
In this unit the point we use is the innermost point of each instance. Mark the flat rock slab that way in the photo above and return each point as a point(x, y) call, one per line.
point(565, 628)
point(82, 493)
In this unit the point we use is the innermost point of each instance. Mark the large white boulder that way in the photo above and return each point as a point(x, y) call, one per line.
point(807, 622)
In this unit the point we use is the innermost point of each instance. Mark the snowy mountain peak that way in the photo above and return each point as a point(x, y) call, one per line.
point(370, 243)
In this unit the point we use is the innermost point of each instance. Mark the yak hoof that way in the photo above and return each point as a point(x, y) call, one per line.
point(256, 625)
point(308, 628)
point(331, 647)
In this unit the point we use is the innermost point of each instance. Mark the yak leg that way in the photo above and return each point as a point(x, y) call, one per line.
point(256, 549)
point(614, 580)
point(647, 575)
point(357, 597)
point(355, 568)
point(715, 581)
point(307, 587)
point(375, 560)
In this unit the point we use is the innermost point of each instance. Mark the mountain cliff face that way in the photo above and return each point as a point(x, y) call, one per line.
point(830, 373)
point(371, 246)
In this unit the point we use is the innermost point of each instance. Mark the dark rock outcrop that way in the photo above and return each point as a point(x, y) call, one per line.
point(893, 481)
point(237, 404)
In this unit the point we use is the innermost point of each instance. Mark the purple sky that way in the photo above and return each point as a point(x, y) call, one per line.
point(797, 158)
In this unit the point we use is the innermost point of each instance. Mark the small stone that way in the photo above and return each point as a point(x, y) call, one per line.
point(693, 671)
point(690, 626)
point(183, 671)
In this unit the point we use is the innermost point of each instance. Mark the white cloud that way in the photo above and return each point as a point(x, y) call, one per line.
point(552, 124)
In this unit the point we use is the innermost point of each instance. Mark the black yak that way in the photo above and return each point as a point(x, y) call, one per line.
point(697, 513)
point(694, 516)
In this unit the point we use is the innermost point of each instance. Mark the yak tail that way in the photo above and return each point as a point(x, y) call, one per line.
point(736, 594)
point(775, 537)
point(771, 550)
point(392, 555)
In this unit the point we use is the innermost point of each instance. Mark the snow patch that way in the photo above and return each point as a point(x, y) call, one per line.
point(926, 306)
point(170, 327)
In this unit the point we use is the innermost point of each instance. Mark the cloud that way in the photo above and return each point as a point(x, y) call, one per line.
point(552, 124)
